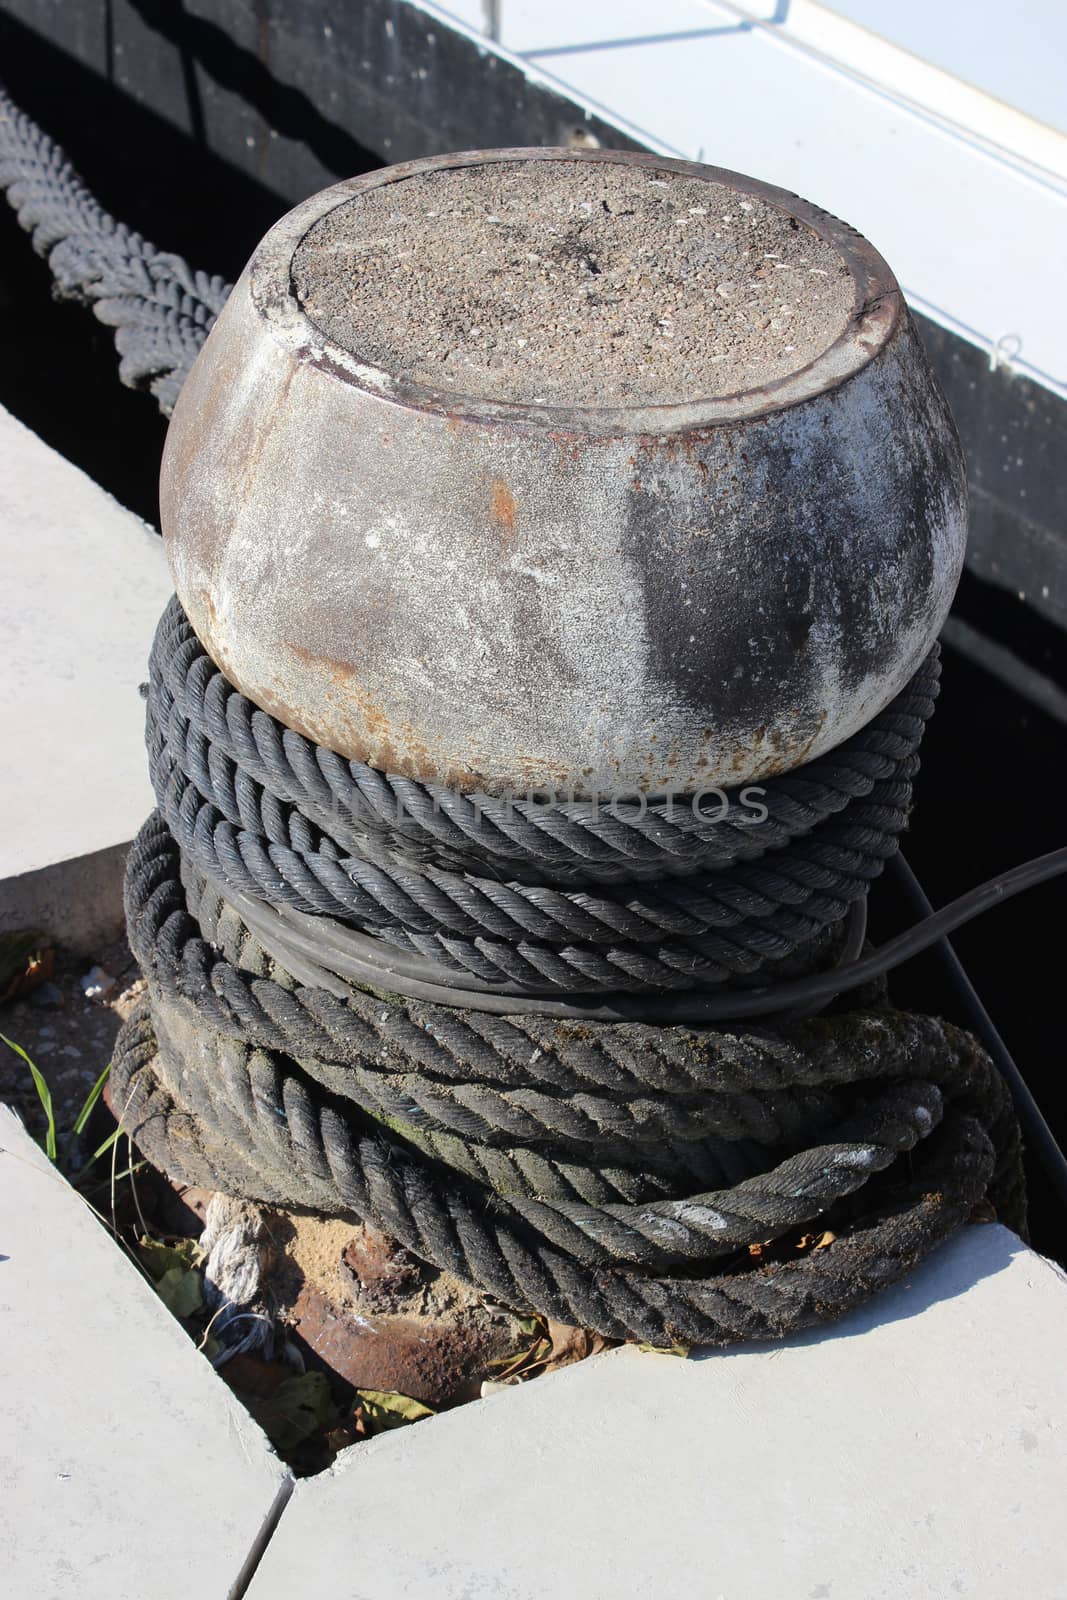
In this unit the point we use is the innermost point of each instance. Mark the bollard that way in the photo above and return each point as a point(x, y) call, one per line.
point(649, 486)
point(507, 484)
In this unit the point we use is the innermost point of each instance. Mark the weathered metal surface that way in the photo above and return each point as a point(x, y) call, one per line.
point(611, 601)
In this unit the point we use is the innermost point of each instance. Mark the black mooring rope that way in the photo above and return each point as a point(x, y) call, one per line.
point(645, 1180)
point(233, 786)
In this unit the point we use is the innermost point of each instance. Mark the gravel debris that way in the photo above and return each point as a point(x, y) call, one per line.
point(570, 282)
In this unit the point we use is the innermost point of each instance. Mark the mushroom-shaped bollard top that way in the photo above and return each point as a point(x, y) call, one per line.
point(599, 474)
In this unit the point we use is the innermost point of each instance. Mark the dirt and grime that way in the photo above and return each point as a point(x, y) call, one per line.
point(375, 1317)
point(566, 282)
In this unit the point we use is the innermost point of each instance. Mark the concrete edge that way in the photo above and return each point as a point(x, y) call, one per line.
point(78, 902)
point(290, 1490)
point(951, 1281)
point(18, 1145)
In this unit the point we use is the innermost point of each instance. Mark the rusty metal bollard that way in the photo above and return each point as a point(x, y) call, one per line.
point(679, 567)
point(600, 477)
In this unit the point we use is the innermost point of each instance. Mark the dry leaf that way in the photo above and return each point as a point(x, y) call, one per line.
point(572, 1344)
point(181, 1291)
point(159, 1258)
point(379, 1410)
point(297, 1409)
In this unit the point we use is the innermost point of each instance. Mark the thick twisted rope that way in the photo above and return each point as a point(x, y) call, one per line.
point(211, 1106)
point(160, 308)
point(227, 782)
point(618, 1175)
point(393, 820)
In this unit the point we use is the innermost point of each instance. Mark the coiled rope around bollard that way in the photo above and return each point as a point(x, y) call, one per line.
point(664, 1182)
point(382, 998)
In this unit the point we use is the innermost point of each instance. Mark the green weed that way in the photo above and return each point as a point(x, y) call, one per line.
point(65, 1149)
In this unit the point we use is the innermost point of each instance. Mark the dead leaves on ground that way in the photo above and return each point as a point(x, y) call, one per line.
point(553, 1345)
point(301, 1406)
point(378, 1411)
point(299, 1411)
point(175, 1273)
point(375, 1411)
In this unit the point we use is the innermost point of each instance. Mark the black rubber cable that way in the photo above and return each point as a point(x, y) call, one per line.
point(1039, 1140)
point(328, 950)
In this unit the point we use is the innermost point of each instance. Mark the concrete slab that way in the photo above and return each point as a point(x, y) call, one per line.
point(915, 1450)
point(128, 1468)
point(84, 582)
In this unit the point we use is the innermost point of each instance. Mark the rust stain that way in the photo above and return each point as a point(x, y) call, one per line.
point(357, 726)
point(569, 446)
point(337, 669)
point(502, 506)
point(381, 744)
point(253, 440)
point(674, 447)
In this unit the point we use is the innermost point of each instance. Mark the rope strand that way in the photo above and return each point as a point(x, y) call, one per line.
point(161, 310)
